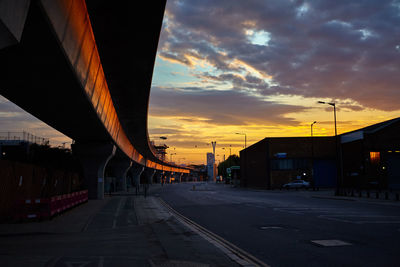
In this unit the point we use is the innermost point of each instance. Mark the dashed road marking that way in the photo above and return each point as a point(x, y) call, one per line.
point(331, 243)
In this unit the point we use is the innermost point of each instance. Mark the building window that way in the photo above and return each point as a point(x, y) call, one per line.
point(375, 157)
point(282, 164)
point(288, 164)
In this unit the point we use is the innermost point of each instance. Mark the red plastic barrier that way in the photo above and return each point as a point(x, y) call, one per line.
point(44, 208)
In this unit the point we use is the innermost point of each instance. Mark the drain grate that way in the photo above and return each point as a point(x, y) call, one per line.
point(330, 243)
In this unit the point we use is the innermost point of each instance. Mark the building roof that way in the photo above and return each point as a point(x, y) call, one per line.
point(359, 133)
point(376, 127)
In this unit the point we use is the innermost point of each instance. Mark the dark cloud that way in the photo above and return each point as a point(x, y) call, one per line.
point(323, 48)
point(219, 107)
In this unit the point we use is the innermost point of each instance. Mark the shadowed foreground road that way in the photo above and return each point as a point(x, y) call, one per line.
point(122, 230)
point(294, 228)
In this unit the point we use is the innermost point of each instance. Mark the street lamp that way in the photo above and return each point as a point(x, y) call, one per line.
point(245, 136)
point(244, 179)
point(170, 159)
point(312, 124)
point(312, 155)
point(334, 111)
point(338, 159)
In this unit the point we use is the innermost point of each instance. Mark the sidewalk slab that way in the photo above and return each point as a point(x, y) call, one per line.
point(122, 230)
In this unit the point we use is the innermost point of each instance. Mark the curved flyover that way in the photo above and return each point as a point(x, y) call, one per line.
point(84, 68)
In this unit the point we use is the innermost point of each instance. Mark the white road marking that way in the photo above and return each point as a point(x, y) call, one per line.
point(118, 211)
point(331, 243)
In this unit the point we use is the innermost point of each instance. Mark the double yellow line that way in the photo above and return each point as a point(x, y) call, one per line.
point(238, 255)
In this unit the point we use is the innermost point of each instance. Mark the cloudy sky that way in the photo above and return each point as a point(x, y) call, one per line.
point(259, 67)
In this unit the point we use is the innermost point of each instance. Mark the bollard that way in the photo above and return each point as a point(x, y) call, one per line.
point(377, 195)
point(352, 193)
point(386, 195)
point(194, 187)
point(397, 196)
point(360, 193)
point(367, 194)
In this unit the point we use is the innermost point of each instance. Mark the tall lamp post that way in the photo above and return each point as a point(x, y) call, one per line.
point(170, 159)
point(244, 179)
point(338, 159)
point(245, 137)
point(214, 144)
point(312, 156)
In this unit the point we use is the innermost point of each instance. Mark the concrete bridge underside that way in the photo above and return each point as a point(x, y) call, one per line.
point(85, 68)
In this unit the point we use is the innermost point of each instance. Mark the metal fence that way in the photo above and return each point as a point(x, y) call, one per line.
point(23, 137)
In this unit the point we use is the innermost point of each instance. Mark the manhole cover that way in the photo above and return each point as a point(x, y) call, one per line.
point(330, 243)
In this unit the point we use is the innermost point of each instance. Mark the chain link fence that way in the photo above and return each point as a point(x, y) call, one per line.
point(23, 137)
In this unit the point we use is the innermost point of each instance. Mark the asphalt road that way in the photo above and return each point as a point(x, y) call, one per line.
point(279, 227)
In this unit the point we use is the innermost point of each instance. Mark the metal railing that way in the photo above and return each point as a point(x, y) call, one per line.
point(23, 137)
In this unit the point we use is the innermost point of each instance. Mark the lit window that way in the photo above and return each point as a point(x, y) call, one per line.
point(375, 157)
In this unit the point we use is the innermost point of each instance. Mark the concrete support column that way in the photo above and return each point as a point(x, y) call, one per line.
point(149, 175)
point(94, 158)
point(120, 168)
point(136, 171)
point(168, 176)
point(158, 176)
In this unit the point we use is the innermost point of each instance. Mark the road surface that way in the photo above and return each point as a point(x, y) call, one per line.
point(293, 228)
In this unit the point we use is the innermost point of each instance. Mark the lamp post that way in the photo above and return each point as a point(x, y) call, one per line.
point(214, 144)
point(244, 179)
point(333, 104)
point(245, 137)
point(312, 156)
point(170, 159)
point(338, 160)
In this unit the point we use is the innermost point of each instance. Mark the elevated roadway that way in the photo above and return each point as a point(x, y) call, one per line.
point(85, 68)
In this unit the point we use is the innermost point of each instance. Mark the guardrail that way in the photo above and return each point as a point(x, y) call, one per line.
point(45, 208)
point(23, 137)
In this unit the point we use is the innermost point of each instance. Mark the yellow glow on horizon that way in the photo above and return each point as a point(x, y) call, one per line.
point(192, 142)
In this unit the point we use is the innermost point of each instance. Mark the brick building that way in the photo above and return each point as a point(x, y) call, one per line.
point(272, 162)
point(370, 158)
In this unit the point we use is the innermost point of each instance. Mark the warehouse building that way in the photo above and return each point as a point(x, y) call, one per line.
point(273, 162)
point(370, 158)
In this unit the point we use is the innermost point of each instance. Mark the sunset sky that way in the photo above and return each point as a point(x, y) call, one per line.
point(259, 68)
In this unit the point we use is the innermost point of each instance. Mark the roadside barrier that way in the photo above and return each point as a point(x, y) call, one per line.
point(45, 208)
point(368, 193)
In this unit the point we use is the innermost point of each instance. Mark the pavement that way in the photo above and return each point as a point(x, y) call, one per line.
point(121, 230)
point(328, 193)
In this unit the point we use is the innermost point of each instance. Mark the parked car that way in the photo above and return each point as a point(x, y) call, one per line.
point(297, 184)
